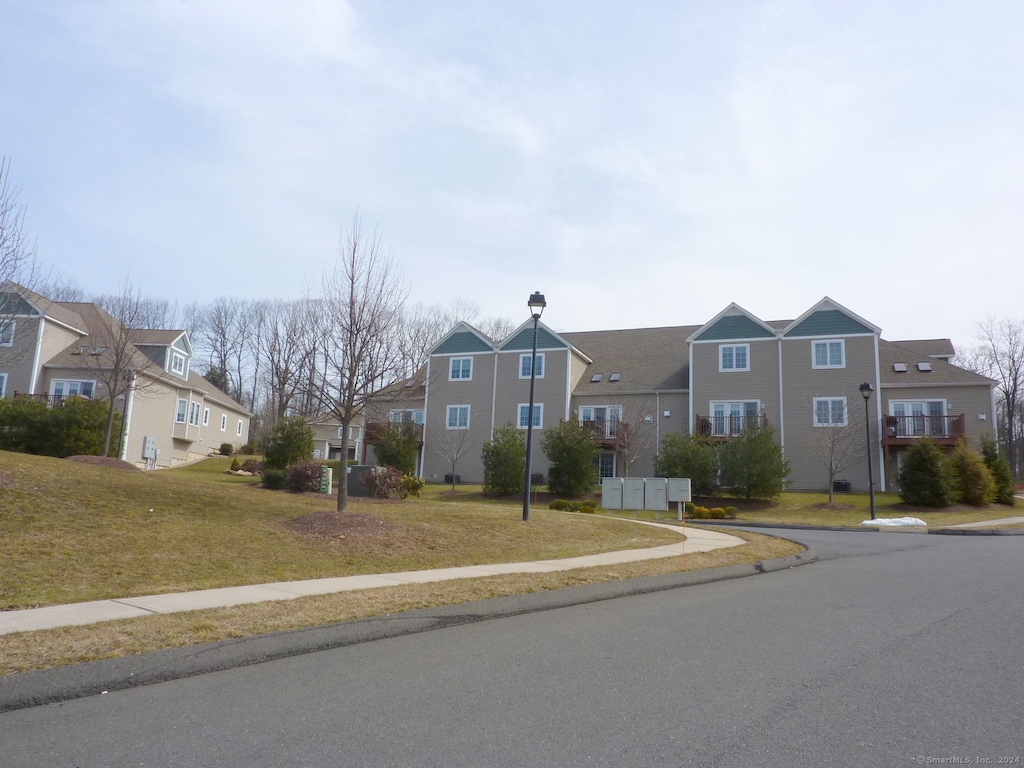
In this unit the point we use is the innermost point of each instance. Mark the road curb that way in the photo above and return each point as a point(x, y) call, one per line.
point(978, 532)
point(30, 689)
point(792, 526)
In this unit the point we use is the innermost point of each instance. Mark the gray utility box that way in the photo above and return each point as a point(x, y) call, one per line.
point(656, 493)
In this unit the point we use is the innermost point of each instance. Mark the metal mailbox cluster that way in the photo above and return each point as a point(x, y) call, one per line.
point(652, 493)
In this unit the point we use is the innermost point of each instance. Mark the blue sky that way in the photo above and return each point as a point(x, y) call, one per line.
point(641, 163)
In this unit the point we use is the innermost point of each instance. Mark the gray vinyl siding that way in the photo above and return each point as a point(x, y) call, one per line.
point(968, 400)
point(16, 360)
point(802, 383)
point(477, 394)
point(760, 383)
point(549, 391)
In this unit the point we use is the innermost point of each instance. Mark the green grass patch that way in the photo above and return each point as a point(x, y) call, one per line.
point(74, 532)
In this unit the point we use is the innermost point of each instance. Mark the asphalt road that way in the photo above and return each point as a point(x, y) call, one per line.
point(892, 649)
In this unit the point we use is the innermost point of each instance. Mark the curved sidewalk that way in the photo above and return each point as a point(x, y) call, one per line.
point(50, 617)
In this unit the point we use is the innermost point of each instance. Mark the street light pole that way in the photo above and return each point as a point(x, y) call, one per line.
point(865, 391)
point(536, 304)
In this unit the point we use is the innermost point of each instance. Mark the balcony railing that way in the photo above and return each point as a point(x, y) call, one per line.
point(727, 426)
point(606, 429)
point(53, 401)
point(941, 428)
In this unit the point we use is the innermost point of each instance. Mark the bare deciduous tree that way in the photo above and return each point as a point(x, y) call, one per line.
point(1001, 357)
point(360, 308)
point(17, 251)
point(285, 347)
point(637, 433)
point(838, 447)
point(452, 445)
point(112, 356)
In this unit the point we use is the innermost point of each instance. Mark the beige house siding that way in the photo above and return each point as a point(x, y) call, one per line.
point(56, 338)
point(802, 383)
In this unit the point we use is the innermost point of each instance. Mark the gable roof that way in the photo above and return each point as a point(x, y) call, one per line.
point(941, 373)
point(829, 318)
point(463, 339)
point(649, 359)
point(15, 299)
point(733, 323)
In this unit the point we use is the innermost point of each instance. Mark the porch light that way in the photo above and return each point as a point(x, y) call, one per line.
point(865, 390)
point(536, 304)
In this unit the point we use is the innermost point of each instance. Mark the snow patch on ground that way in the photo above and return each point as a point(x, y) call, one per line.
point(895, 521)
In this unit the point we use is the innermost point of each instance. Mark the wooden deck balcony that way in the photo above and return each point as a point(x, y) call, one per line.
point(724, 427)
point(903, 430)
point(607, 431)
point(53, 401)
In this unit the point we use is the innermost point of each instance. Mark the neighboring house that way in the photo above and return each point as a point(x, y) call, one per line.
point(171, 414)
point(631, 387)
point(400, 402)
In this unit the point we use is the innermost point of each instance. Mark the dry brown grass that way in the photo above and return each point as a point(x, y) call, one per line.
point(71, 645)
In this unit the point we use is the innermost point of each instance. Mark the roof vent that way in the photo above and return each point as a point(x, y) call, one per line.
point(899, 367)
point(596, 378)
point(924, 367)
point(615, 377)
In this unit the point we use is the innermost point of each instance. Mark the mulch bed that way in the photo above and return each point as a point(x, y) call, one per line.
point(332, 526)
point(104, 461)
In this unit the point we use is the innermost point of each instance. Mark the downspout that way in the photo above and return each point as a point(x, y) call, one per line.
point(657, 424)
point(878, 418)
point(426, 402)
point(568, 383)
point(494, 394)
point(127, 418)
point(782, 407)
point(36, 354)
point(690, 415)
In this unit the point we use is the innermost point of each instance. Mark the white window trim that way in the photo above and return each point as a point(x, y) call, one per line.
point(417, 415)
point(814, 353)
point(451, 364)
point(66, 382)
point(3, 384)
point(448, 416)
point(846, 412)
point(223, 422)
point(538, 415)
point(238, 431)
point(524, 357)
point(194, 411)
point(178, 363)
point(7, 330)
point(181, 414)
point(206, 417)
point(734, 347)
point(727, 415)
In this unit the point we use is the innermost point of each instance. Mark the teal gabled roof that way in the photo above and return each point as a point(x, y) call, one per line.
point(734, 327)
point(462, 342)
point(828, 318)
point(524, 340)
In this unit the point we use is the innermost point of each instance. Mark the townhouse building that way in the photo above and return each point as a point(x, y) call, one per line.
point(805, 377)
point(170, 414)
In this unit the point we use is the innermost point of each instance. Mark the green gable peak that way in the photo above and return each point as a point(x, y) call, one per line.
point(734, 327)
point(828, 322)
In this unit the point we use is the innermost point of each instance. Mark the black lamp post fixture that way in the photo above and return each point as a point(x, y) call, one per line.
point(866, 389)
point(536, 305)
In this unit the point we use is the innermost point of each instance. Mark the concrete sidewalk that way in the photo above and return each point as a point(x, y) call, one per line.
point(697, 540)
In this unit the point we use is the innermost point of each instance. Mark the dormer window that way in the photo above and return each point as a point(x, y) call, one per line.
point(178, 364)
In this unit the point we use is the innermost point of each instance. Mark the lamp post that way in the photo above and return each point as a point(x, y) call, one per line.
point(536, 304)
point(865, 390)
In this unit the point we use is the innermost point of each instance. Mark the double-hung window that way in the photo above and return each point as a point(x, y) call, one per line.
point(458, 417)
point(461, 369)
point(223, 422)
point(61, 388)
point(734, 357)
point(193, 414)
point(6, 333)
point(238, 431)
point(206, 417)
point(828, 354)
point(182, 412)
point(3, 384)
point(178, 364)
point(830, 412)
point(524, 415)
point(525, 367)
